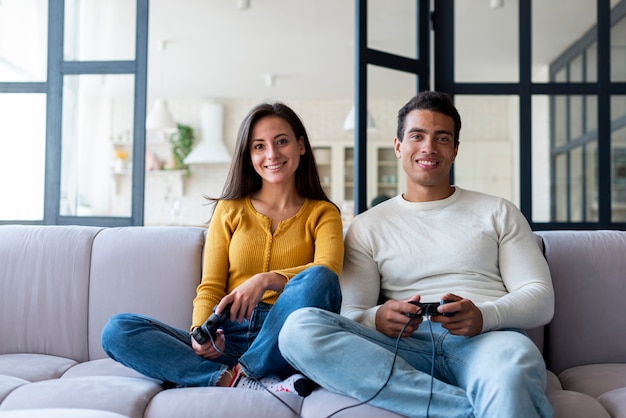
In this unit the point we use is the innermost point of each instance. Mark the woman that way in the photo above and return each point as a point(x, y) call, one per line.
point(274, 244)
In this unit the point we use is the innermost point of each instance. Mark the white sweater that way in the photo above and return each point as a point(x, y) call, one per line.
point(477, 246)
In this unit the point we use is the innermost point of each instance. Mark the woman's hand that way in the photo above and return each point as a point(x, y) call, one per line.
point(245, 298)
point(210, 350)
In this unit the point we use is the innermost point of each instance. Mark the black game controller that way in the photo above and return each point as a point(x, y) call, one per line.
point(430, 308)
point(208, 330)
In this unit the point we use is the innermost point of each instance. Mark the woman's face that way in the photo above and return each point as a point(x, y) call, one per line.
point(274, 150)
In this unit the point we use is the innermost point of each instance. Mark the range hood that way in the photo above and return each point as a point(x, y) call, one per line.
point(211, 148)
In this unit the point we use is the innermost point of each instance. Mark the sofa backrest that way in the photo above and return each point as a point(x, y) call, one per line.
point(60, 284)
point(538, 334)
point(148, 270)
point(44, 284)
point(588, 271)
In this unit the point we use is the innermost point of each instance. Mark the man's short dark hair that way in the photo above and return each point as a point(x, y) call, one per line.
point(434, 101)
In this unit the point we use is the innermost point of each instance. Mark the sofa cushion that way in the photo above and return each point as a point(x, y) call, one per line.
point(322, 403)
point(614, 402)
point(8, 384)
point(148, 270)
point(103, 367)
point(123, 395)
point(594, 379)
point(34, 367)
point(587, 269)
point(553, 383)
point(44, 282)
point(59, 413)
point(222, 402)
point(568, 404)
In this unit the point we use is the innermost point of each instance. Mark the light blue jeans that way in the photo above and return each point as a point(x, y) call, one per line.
point(495, 374)
point(164, 352)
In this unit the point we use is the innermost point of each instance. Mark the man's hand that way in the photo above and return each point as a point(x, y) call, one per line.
point(467, 320)
point(394, 315)
point(208, 350)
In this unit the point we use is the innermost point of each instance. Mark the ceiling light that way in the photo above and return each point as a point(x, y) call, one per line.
point(495, 4)
point(348, 123)
point(160, 118)
point(243, 4)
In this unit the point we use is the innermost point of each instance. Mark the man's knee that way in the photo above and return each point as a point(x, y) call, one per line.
point(296, 330)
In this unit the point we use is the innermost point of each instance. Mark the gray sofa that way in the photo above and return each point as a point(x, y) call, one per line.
point(59, 284)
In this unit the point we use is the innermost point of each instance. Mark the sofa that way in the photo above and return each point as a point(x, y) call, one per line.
point(60, 284)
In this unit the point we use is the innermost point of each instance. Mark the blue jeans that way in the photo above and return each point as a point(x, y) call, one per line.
point(164, 352)
point(494, 374)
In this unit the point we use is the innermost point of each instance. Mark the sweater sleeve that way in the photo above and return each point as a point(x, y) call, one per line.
point(529, 302)
point(212, 288)
point(360, 279)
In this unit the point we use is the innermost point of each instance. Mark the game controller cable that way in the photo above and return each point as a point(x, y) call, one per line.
point(214, 322)
point(207, 332)
point(426, 308)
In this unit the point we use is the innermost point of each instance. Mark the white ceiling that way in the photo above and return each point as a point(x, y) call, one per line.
point(210, 48)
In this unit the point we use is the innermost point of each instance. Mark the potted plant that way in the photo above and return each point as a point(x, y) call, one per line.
point(181, 142)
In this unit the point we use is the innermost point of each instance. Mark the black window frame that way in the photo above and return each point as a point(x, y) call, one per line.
point(57, 68)
point(524, 89)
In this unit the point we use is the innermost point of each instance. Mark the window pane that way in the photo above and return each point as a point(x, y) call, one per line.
point(388, 91)
point(591, 62)
point(99, 30)
point(560, 120)
point(576, 184)
point(591, 124)
point(551, 41)
point(576, 117)
point(488, 155)
point(392, 29)
point(541, 191)
point(618, 108)
point(23, 40)
point(560, 189)
point(591, 184)
point(618, 51)
point(496, 53)
point(564, 166)
point(576, 69)
point(618, 160)
point(96, 145)
point(22, 156)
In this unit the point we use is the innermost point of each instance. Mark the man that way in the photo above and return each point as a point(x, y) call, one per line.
point(433, 242)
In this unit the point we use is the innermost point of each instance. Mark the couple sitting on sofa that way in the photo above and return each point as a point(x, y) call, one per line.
point(273, 255)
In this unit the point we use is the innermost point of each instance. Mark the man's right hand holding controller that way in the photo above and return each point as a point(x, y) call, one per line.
point(459, 316)
point(467, 320)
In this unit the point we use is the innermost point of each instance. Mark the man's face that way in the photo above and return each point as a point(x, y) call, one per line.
point(427, 151)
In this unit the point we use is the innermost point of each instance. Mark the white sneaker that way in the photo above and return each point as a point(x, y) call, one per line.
point(297, 384)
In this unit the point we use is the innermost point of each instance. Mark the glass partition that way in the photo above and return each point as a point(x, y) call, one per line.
point(98, 30)
point(392, 29)
point(618, 159)
point(492, 44)
point(488, 158)
point(22, 160)
point(96, 149)
point(26, 20)
point(555, 35)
